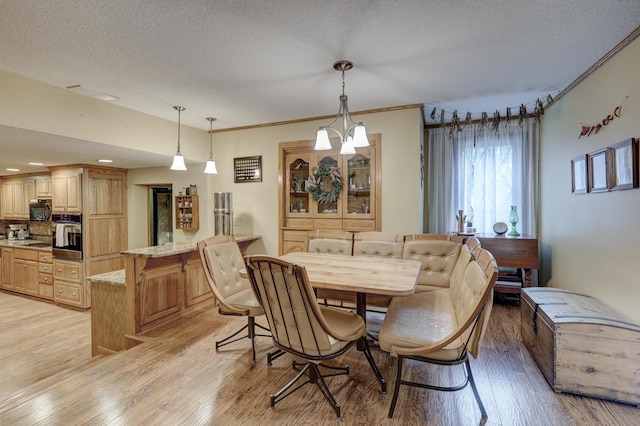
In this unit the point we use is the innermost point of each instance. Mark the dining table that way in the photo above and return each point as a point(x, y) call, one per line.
point(361, 275)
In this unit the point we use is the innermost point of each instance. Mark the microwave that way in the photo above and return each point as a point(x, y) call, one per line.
point(39, 210)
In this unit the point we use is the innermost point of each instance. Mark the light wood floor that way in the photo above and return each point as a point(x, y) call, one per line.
point(177, 377)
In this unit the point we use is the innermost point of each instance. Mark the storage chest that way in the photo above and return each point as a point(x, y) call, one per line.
point(580, 345)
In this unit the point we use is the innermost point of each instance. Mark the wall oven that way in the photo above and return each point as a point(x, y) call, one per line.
point(67, 236)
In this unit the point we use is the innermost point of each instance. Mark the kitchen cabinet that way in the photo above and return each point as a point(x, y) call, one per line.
point(187, 212)
point(6, 207)
point(355, 207)
point(45, 275)
point(43, 186)
point(68, 283)
point(66, 190)
point(25, 271)
point(7, 268)
point(16, 193)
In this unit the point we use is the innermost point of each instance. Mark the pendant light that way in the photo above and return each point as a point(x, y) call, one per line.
point(178, 159)
point(211, 165)
point(351, 137)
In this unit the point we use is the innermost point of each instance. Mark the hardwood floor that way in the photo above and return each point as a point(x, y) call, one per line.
point(177, 377)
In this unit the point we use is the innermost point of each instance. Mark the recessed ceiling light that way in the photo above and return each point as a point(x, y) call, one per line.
point(11, 169)
point(35, 163)
point(104, 160)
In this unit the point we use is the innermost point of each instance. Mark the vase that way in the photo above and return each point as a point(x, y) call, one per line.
point(513, 218)
point(460, 218)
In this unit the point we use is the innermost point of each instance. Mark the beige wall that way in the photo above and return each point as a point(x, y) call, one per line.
point(255, 204)
point(590, 242)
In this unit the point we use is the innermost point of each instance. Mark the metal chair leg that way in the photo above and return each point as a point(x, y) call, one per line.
point(475, 390)
point(396, 388)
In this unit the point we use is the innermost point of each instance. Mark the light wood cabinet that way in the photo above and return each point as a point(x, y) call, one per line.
point(25, 271)
point(7, 199)
point(43, 186)
point(187, 212)
point(68, 283)
point(197, 287)
point(16, 193)
point(356, 206)
point(7, 268)
point(66, 190)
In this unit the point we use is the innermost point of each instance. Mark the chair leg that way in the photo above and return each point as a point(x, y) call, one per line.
point(317, 378)
point(475, 390)
point(396, 387)
point(228, 340)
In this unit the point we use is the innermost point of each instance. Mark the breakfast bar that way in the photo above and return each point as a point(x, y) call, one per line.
point(157, 285)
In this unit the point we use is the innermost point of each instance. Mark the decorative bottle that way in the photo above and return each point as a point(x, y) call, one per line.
point(513, 218)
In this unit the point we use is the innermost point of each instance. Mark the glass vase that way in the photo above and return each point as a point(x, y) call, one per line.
point(513, 218)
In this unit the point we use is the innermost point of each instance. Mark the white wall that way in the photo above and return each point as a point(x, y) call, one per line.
point(590, 242)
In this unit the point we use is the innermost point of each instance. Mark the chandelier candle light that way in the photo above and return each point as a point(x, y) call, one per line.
point(353, 134)
point(211, 165)
point(178, 159)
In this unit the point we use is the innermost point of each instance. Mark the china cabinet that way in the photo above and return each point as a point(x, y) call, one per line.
point(327, 190)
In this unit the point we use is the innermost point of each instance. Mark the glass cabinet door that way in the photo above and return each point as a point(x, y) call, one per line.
point(328, 193)
point(297, 196)
point(360, 191)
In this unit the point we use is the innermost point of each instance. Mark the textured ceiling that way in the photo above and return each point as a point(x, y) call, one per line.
point(250, 62)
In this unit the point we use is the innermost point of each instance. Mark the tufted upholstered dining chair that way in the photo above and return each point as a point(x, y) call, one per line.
point(378, 244)
point(474, 244)
point(456, 318)
point(300, 326)
point(222, 262)
point(331, 241)
point(438, 256)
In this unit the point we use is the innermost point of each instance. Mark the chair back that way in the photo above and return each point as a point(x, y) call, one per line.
point(415, 237)
point(474, 244)
point(296, 322)
point(438, 258)
point(222, 263)
point(330, 241)
point(473, 299)
point(378, 244)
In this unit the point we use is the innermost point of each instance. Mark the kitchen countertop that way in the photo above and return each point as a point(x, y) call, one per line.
point(29, 244)
point(113, 277)
point(178, 248)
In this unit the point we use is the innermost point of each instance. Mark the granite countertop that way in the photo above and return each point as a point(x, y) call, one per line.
point(178, 248)
point(29, 244)
point(113, 277)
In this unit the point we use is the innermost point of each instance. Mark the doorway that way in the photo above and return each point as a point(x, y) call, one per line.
point(161, 211)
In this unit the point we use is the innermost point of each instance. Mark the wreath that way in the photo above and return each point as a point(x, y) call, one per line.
point(325, 183)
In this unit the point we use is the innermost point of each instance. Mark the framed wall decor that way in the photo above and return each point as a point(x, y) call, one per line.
point(579, 174)
point(247, 169)
point(625, 165)
point(599, 170)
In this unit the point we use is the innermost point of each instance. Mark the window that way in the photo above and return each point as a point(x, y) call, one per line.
point(484, 173)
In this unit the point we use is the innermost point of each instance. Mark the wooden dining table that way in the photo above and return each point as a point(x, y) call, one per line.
point(360, 275)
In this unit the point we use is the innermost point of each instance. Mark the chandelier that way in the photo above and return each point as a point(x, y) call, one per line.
point(353, 134)
point(210, 168)
point(178, 159)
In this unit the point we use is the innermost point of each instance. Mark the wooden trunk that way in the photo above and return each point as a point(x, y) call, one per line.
point(580, 345)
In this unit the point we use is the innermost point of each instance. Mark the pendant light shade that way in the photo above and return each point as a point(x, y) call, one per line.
point(178, 159)
point(210, 168)
point(322, 140)
point(353, 134)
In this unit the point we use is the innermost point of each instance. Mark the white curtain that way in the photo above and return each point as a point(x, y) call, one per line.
point(483, 172)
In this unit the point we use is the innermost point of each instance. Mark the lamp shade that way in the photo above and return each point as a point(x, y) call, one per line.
point(178, 163)
point(360, 136)
point(210, 168)
point(347, 147)
point(322, 140)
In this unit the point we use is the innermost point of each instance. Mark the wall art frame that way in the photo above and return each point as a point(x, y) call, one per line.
point(579, 175)
point(600, 170)
point(625, 165)
point(247, 169)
